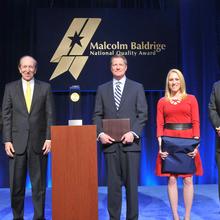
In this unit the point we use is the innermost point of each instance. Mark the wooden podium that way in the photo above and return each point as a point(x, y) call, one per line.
point(74, 173)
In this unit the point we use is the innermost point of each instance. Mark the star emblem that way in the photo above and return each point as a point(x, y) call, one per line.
point(75, 40)
point(69, 53)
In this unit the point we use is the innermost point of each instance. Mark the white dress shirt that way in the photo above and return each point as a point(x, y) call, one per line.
point(24, 86)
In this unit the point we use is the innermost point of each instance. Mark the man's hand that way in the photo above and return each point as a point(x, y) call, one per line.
point(47, 147)
point(127, 138)
point(9, 149)
point(218, 131)
point(106, 139)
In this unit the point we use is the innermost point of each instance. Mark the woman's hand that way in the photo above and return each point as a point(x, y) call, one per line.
point(193, 153)
point(163, 155)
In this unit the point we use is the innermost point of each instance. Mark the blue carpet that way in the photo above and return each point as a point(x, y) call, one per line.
point(153, 204)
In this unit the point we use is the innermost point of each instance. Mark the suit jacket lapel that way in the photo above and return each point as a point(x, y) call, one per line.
point(20, 93)
point(124, 93)
point(35, 93)
point(111, 94)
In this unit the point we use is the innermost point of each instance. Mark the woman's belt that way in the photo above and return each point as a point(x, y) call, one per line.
point(178, 126)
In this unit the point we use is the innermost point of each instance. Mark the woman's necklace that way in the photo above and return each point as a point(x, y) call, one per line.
point(175, 100)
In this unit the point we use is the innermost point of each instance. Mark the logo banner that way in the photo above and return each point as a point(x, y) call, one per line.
point(74, 46)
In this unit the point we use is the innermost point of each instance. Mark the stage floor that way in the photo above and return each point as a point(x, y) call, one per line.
point(153, 204)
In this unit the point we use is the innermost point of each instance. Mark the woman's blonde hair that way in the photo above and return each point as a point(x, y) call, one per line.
point(182, 84)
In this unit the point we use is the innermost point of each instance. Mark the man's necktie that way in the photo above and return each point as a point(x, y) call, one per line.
point(117, 94)
point(28, 96)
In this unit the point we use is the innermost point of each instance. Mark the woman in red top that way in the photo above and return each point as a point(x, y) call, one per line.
point(178, 108)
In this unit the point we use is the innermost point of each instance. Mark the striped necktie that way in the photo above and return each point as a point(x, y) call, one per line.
point(117, 94)
point(28, 96)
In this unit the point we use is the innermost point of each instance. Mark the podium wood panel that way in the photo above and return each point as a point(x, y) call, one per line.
point(74, 173)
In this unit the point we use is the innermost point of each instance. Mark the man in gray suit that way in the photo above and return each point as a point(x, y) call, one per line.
point(214, 115)
point(27, 113)
point(122, 158)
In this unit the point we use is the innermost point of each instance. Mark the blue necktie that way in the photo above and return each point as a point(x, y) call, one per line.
point(117, 94)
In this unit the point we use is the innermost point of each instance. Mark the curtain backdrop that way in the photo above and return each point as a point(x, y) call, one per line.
point(198, 59)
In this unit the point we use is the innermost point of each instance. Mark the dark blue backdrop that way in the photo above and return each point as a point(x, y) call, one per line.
point(198, 59)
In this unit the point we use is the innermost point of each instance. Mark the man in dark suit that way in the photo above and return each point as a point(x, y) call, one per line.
point(27, 113)
point(122, 158)
point(214, 115)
